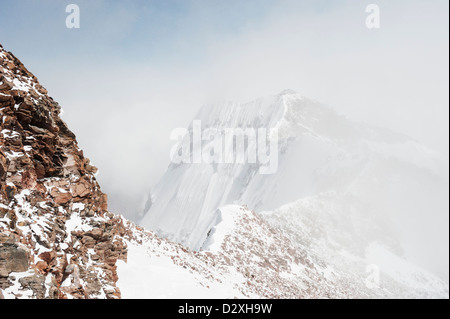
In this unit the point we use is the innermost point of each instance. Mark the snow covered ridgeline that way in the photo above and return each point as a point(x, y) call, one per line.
point(320, 225)
point(246, 258)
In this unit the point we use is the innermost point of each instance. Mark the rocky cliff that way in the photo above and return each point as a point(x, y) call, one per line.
point(57, 238)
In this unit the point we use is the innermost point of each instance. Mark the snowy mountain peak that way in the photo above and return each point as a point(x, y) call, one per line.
point(344, 171)
point(288, 92)
point(313, 143)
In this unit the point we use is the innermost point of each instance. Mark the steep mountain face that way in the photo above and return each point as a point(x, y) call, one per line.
point(318, 151)
point(350, 189)
point(182, 206)
point(57, 239)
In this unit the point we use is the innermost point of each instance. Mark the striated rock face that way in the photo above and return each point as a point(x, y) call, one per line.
point(57, 239)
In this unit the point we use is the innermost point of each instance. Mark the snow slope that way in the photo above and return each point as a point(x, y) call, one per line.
point(251, 256)
point(244, 257)
point(340, 237)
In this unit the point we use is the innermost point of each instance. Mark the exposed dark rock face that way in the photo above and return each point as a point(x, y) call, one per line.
point(57, 239)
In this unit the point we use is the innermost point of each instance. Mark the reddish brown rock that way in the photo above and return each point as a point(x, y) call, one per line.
point(44, 179)
point(29, 179)
point(49, 257)
point(42, 267)
point(60, 197)
point(13, 258)
point(3, 166)
point(80, 189)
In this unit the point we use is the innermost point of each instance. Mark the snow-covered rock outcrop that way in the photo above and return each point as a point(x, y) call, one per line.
point(57, 239)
